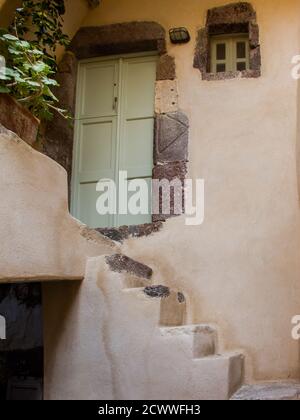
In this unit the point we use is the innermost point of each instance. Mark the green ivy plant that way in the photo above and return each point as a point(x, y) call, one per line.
point(28, 78)
point(41, 22)
point(31, 63)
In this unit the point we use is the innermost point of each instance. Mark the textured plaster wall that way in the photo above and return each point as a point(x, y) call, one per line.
point(76, 10)
point(39, 238)
point(103, 343)
point(241, 268)
point(7, 8)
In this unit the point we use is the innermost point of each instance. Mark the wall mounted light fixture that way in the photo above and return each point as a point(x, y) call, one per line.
point(179, 35)
point(93, 3)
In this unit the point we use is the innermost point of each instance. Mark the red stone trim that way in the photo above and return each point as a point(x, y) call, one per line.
point(233, 18)
point(122, 38)
point(120, 263)
point(18, 119)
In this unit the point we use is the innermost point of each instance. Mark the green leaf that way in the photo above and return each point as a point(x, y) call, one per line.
point(32, 83)
point(23, 44)
point(20, 79)
point(49, 82)
point(14, 51)
point(9, 72)
point(26, 67)
point(49, 93)
point(10, 37)
point(36, 52)
point(5, 78)
point(4, 89)
point(40, 67)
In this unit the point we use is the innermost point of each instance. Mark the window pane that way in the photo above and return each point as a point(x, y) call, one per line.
point(221, 68)
point(241, 66)
point(241, 49)
point(221, 51)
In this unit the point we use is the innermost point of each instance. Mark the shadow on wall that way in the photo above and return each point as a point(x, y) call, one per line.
point(298, 141)
point(298, 160)
point(21, 353)
point(59, 312)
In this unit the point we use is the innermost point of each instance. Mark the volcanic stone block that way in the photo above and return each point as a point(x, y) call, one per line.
point(166, 96)
point(157, 291)
point(136, 231)
point(121, 263)
point(175, 172)
point(254, 35)
point(201, 58)
point(129, 37)
point(255, 59)
point(166, 68)
point(171, 137)
point(231, 13)
point(170, 171)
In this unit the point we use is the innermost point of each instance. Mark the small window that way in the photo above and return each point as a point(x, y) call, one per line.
point(230, 53)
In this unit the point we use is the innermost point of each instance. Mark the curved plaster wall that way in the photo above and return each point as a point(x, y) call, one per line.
point(39, 238)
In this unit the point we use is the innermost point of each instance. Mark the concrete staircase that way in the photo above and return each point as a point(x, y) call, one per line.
point(269, 391)
point(131, 340)
point(166, 358)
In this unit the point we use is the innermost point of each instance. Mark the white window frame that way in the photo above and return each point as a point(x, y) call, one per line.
point(231, 59)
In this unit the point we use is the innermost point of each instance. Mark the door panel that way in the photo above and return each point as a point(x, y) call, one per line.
point(96, 150)
point(137, 125)
point(95, 156)
point(139, 82)
point(114, 131)
point(99, 88)
point(137, 148)
point(140, 219)
point(97, 146)
point(87, 207)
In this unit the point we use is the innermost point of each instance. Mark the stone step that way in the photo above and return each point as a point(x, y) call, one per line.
point(219, 376)
point(195, 340)
point(120, 263)
point(135, 274)
point(269, 391)
point(131, 281)
point(172, 304)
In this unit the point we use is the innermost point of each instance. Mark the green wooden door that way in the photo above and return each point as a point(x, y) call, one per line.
point(113, 132)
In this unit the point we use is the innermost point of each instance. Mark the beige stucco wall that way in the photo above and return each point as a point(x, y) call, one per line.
point(103, 342)
point(241, 268)
point(40, 240)
point(7, 8)
point(76, 11)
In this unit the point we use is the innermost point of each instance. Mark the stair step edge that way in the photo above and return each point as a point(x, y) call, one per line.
point(224, 355)
point(189, 329)
point(266, 391)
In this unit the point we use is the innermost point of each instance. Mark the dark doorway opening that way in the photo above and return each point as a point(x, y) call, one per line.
point(21, 352)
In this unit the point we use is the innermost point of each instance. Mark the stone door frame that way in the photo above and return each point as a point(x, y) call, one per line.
point(171, 125)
